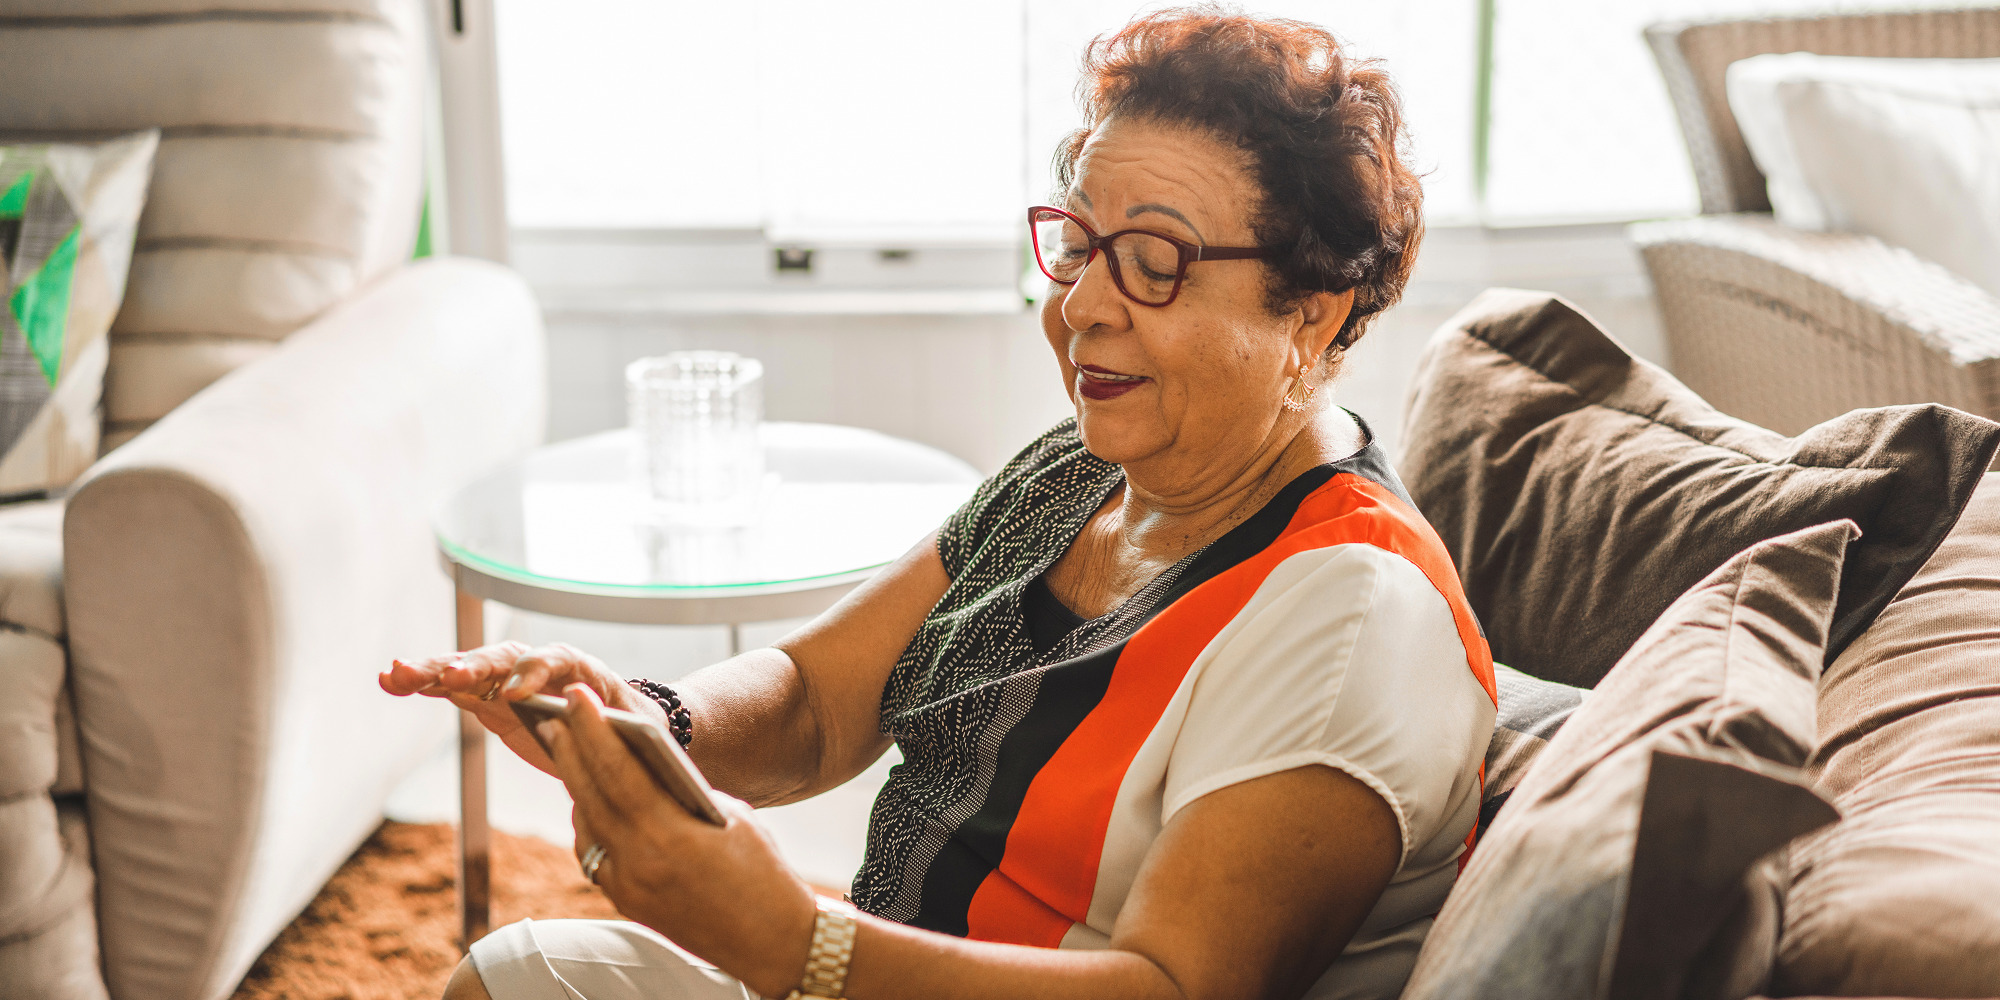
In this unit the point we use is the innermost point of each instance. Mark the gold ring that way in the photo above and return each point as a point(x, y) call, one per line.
point(494, 691)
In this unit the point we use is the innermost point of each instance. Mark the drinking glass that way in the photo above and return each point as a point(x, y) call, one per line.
point(695, 414)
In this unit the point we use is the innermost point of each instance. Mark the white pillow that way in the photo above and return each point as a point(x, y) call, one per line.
point(1905, 150)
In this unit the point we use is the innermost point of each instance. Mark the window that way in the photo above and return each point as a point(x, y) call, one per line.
point(1428, 46)
point(881, 123)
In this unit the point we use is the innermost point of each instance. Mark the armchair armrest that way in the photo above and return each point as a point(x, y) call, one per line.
point(1786, 328)
point(234, 578)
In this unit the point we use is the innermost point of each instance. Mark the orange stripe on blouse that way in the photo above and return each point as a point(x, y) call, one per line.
point(1048, 873)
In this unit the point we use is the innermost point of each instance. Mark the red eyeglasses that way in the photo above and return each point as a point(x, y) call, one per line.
point(1147, 266)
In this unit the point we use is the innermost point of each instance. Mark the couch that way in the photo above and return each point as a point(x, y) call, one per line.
point(1787, 328)
point(1614, 531)
point(193, 741)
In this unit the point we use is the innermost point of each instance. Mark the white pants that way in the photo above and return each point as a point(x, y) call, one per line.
point(595, 960)
point(620, 960)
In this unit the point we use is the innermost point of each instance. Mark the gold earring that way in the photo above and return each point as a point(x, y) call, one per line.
point(1296, 400)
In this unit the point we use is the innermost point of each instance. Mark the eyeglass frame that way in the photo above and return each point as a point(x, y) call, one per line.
point(1190, 253)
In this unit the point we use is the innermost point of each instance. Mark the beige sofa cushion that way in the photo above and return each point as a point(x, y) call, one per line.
point(289, 168)
point(48, 925)
point(1903, 897)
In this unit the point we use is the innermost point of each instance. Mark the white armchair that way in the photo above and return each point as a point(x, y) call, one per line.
point(232, 576)
point(1786, 328)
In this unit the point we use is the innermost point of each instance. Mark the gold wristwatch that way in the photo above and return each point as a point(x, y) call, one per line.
point(832, 948)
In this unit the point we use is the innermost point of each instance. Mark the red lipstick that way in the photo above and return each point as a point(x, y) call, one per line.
point(1103, 383)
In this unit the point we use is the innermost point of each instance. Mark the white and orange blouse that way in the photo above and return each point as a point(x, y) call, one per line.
point(1329, 628)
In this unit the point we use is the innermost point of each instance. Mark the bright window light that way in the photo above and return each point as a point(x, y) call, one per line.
point(875, 121)
point(1582, 127)
point(914, 122)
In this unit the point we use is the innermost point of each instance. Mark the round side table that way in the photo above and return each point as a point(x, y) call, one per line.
point(568, 530)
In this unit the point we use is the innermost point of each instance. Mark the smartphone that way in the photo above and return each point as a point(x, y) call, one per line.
point(664, 757)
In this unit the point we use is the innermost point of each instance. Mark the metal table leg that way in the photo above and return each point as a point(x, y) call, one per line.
point(474, 840)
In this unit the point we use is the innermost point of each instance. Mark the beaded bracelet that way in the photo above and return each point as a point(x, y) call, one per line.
point(679, 722)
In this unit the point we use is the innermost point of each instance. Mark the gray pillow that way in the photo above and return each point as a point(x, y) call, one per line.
point(1531, 711)
point(1628, 863)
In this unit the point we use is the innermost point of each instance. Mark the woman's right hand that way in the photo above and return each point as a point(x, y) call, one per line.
point(482, 681)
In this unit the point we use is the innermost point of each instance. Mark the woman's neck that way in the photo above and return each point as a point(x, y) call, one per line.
point(1174, 517)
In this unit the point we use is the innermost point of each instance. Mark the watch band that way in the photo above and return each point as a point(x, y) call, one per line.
point(832, 949)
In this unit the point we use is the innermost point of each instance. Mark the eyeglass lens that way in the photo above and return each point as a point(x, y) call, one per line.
point(1144, 266)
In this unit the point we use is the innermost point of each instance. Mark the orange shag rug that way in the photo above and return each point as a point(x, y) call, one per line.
point(386, 926)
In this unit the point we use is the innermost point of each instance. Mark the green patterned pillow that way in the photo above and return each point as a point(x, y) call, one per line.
point(68, 216)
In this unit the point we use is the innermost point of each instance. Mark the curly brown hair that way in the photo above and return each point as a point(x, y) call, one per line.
point(1324, 133)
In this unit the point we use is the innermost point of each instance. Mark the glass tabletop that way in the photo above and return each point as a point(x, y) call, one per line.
point(576, 517)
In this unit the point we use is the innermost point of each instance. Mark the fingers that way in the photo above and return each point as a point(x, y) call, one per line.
point(585, 836)
point(556, 666)
point(407, 677)
point(612, 838)
point(544, 668)
point(481, 670)
point(472, 672)
point(617, 774)
point(507, 670)
point(565, 746)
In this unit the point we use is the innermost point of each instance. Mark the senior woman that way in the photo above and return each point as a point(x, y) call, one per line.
point(1189, 699)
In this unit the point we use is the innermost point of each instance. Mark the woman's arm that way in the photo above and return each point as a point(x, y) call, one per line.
point(771, 725)
point(1250, 891)
point(785, 723)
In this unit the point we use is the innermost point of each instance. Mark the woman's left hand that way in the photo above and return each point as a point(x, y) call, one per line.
point(723, 893)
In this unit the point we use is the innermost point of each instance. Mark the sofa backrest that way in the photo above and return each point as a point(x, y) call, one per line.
point(289, 171)
point(1694, 58)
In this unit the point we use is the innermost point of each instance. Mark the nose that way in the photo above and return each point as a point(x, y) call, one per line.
point(1094, 300)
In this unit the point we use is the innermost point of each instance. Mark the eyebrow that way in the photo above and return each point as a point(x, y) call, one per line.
point(1167, 211)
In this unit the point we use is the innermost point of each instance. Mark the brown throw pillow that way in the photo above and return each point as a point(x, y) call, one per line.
point(1580, 489)
point(1625, 862)
point(1903, 897)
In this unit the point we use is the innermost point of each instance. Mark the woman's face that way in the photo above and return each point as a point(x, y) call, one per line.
point(1181, 386)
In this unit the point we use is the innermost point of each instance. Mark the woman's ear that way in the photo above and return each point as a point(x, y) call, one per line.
point(1321, 316)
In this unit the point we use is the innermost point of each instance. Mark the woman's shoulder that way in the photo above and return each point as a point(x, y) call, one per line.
point(1345, 655)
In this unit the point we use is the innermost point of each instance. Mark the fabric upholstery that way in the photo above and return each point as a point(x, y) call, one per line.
point(68, 215)
point(1725, 676)
point(288, 174)
point(1903, 897)
point(233, 579)
point(56, 958)
point(1531, 712)
point(48, 927)
point(1580, 489)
